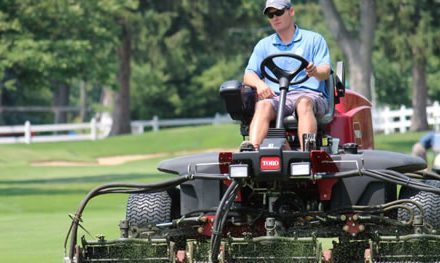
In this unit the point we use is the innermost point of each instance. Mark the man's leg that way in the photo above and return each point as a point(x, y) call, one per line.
point(264, 114)
point(306, 118)
point(419, 151)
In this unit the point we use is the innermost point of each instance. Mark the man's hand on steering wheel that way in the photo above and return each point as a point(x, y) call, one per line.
point(321, 72)
point(311, 70)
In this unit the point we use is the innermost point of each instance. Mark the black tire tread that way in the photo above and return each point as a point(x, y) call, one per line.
point(145, 209)
point(429, 201)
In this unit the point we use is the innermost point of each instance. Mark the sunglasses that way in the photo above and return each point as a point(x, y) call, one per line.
point(276, 13)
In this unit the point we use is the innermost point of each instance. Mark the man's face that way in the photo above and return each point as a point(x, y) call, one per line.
point(280, 19)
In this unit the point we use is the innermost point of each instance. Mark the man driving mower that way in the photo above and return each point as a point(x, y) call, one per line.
point(307, 100)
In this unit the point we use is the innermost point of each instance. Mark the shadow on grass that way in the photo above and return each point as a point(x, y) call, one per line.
point(36, 186)
point(21, 191)
point(89, 179)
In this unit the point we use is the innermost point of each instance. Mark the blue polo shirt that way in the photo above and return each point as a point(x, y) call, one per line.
point(427, 140)
point(310, 45)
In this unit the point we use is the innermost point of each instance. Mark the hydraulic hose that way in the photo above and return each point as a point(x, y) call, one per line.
point(386, 176)
point(429, 174)
point(125, 188)
point(221, 217)
point(118, 188)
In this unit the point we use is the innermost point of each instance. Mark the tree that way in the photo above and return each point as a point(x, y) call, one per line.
point(410, 34)
point(356, 42)
point(121, 111)
point(186, 50)
point(48, 44)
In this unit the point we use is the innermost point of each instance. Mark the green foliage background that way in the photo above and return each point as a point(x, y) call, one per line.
point(183, 50)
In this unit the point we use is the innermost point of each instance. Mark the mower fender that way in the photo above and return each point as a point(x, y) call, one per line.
point(180, 165)
point(381, 160)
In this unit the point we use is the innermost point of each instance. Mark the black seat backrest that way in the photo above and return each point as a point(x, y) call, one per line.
point(239, 100)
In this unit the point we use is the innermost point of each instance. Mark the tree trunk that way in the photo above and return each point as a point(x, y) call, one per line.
point(2, 121)
point(107, 99)
point(83, 101)
point(419, 119)
point(360, 75)
point(121, 111)
point(61, 99)
point(357, 49)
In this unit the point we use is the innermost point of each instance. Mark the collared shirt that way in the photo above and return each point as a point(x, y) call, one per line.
point(427, 139)
point(310, 45)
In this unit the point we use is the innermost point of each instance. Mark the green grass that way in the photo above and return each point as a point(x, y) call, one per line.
point(397, 142)
point(35, 201)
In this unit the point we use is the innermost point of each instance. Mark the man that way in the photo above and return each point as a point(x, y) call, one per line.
point(305, 100)
point(428, 141)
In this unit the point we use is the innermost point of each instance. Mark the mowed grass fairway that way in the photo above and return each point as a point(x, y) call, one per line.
point(35, 201)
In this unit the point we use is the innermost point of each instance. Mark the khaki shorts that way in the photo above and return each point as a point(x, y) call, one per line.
point(320, 104)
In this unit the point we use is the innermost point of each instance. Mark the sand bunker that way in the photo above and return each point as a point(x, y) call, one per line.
point(117, 160)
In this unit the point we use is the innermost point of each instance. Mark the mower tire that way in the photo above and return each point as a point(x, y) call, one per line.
point(144, 209)
point(429, 201)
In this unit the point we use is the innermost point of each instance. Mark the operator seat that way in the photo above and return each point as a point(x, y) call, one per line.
point(240, 100)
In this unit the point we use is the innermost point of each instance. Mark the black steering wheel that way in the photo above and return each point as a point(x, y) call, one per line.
point(279, 73)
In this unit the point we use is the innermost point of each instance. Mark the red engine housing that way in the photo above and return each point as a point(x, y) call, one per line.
point(352, 122)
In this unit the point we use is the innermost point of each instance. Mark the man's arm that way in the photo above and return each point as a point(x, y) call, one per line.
point(319, 67)
point(263, 90)
point(321, 72)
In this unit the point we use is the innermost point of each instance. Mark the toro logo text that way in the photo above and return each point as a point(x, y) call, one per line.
point(270, 163)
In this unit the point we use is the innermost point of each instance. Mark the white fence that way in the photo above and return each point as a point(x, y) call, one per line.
point(138, 127)
point(29, 133)
point(93, 130)
point(384, 120)
point(391, 121)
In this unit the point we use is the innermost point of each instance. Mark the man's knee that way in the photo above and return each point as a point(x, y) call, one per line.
point(264, 109)
point(304, 105)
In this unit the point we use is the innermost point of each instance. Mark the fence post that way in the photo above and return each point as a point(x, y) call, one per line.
point(155, 123)
point(402, 119)
point(216, 120)
point(93, 130)
point(436, 115)
point(386, 120)
point(137, 128)
point(377, 119)
point(27, 132)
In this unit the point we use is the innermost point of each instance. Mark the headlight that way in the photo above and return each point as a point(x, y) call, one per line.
point(238, 170)
point(302, 168)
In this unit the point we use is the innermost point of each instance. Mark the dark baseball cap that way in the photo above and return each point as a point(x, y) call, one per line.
point(277, 4)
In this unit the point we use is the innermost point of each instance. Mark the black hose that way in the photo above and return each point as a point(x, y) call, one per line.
point(388, 176)
point(120, 188)
point(401, 181)
point(340, 175)
point(394, 173)
point(429, 174)
point(220, 219)
point(210, 177)
point(381, 208)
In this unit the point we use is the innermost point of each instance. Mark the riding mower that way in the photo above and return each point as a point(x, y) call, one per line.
point(337, 200)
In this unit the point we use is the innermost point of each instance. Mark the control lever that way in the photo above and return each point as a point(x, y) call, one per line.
point(309, 142)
